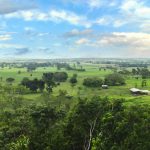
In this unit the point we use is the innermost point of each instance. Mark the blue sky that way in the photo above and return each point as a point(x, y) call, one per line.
point(74, 28)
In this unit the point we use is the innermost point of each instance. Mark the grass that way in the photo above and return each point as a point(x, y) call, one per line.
point(92, 70)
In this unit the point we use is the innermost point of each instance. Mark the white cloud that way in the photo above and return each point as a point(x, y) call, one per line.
point(52, 15)
point(131, 40)
point(78, 33)
point(29, 29)
point(129, 5)
point(143, 12)
point(119, 23)
point(95, 3)
point(111, 20)
point(136, 9)
point(72, 18)
point(10, 46)
point(5, 37)
point(103, 20)
point(28, 15)
point(132, 12)
point(82, 41)
point(145, 27)
point(125, 42)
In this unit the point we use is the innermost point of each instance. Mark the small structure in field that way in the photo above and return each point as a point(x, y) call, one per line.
point(138, 91)
point(105, 86)
point(135, 90)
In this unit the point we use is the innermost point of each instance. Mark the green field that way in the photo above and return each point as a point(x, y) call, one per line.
point(92, 70)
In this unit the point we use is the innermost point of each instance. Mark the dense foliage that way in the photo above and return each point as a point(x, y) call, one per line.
point(93, 82)
point(34, 84)
point(143, 72)
point(60, 76)
point(73, 79)
point(89, 125)
point(114, 79)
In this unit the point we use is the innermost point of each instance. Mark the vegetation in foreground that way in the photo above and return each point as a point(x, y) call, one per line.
point(87, 125)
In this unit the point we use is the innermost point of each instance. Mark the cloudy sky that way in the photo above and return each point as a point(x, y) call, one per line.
point(74, 28)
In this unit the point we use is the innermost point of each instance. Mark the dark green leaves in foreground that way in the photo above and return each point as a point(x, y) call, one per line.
point(96, 124)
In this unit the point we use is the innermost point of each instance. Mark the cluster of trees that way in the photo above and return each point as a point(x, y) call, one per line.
point(143, 72)
point(10, 80)
point(56, 76)
point(127, 64)
point(73, 79)
point(125, 72)
point(34, 84)
point(79, 69)
point(31, 68)
point(89, 125)
point(111, 80)
point(60, 76)
point(92, 82)
point(137, 72)
point(62, 65)
point(48, 81)
point(35, 65)
point(114, 79)
point(68, 67)
point(7, 64)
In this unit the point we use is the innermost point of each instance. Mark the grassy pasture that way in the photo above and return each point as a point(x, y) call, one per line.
point(92, 70)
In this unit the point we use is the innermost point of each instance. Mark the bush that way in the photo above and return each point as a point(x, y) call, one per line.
point(10, 80)
point(73, 79)
point(60, 76)
point(114, 79)
point(92, 82)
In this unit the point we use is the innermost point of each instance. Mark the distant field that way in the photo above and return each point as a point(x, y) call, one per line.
point(92, 70)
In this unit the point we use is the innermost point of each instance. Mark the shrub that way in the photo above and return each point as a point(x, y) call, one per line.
point(114, 79)
point(92, 82)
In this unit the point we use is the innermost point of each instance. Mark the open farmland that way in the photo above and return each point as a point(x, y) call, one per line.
point(78, 90)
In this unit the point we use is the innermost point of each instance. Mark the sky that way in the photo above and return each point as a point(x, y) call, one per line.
point(49, 29)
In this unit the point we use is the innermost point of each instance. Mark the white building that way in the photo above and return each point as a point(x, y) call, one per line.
point(138, 91)
point(105, 86)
